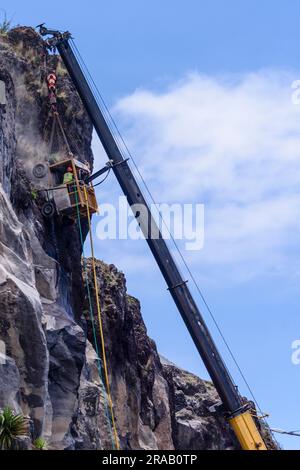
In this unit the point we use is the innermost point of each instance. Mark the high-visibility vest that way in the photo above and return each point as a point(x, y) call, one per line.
point(68, 177)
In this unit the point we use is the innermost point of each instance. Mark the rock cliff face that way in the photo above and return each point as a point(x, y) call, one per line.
point(49, 368)
point(157, 405)
point(40, 273)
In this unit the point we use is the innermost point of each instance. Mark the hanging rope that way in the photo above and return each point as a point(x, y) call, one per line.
point(100, 322)
point(63, 133)
point(57, 125)
point(54, 114)
point(114, 439)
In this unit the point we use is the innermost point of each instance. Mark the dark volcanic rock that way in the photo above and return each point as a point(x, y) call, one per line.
point(139, 389)
point(157, 405)
point(41, 289)
point(194, 426)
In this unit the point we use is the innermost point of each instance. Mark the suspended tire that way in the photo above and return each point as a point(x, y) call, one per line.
point(48, 209)
point(40, 170)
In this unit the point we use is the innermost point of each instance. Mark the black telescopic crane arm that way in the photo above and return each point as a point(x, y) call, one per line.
point(178, 288)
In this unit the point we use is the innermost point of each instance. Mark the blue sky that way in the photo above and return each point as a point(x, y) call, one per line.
point(208, 82)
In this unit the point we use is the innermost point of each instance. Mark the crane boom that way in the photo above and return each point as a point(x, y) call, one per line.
point(236, 411)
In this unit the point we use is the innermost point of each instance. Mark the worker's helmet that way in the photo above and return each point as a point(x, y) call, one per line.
point(70, 169)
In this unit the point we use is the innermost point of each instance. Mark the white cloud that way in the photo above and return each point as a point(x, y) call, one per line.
point(232, 143)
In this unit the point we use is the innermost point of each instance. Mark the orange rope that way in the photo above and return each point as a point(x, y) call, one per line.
point(101, 325)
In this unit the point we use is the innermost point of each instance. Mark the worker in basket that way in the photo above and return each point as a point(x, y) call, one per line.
point(68, 176)
point(72, 189)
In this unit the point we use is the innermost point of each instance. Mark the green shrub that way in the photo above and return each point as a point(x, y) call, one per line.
point(12, 426)
point(34, 194)
point(40, 444)
point(5, 25)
